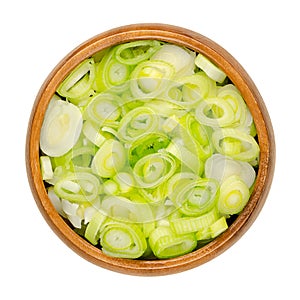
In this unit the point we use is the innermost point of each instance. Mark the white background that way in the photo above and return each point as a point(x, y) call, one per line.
point(263, 36)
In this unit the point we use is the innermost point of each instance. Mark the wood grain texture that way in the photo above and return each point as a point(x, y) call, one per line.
point(238, 76)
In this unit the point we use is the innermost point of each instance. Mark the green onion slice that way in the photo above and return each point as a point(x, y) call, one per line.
point(180, 58)
point(82, 100)
point(109, 159)
point(95, 134)
point(125, 182)
point(92, 232)
point(104, 109)
point(197, 197)
point(195, 88)
point(123, 209)
point(210, 68)
point(79, 81)
point(136, 123)
point(166, 244)
point(218, 227)
point(46, 168)
point(78, 187)
point(215, 112)
point(56, 201)
point(165, 109)
point(111, 74)
point(196, 137)
point(135, 52)
point(150, 78)
point(76, 158)
point(61, 127)
point(193, 224)
point(233, 97)
point(178, 178)
point(236, 144)
point(154, 169)
point(189, 160)
point(234, 195)
point(221, 167)
point(123, 240)
point(147, 144)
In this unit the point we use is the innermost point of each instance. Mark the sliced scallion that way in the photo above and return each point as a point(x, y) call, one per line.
point(210, 68)
point(196, 197)
point(133, 53)
point(154, 169)
point(236, 144)
point(150, 78)
point(149, 147)
point(234, 195)
point(122, 240)
point(136, 123)
point(72, 187)
point(109, 159)
point(61, 128)
point(166, 244)
point(80, 80)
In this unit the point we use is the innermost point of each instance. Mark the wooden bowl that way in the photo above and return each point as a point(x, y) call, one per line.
point(237, 75)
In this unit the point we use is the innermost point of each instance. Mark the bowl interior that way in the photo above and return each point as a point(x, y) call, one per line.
point(239, 78)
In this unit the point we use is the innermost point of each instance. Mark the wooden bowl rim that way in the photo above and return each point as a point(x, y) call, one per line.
point(199, 43)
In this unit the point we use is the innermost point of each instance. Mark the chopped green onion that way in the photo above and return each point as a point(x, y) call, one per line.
point(56, 201)
point(195, 136)
point(165, 109)
point(61, 128)
point(123, 209)
point(147, 144)
point(103, 109)
point(83, 100)
point(215, 112)
point(147, 150)
point(125, 182)
point(92, 232)
point(150, 78)
point(166, 244)
point(221, 167)
point(133, 53)
point(46, 168)
point(233, 97)
point(234, 195)
point(73, 187)
point(109, 159)
point(110, 187)
point(111, 74)
point(218, 227)
point(193, 224)
point(136, 123)
point(72, 213)
point(154, 169)
point(210, 68)
point(236, 144)
point(195, 198)
point(80, 81)
point(180, 178)
point(188, 158)
point(122, 240)
point(195, 88)
point(96, 136)
point(181, 59)
point(76, 158)
point(170, 124)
